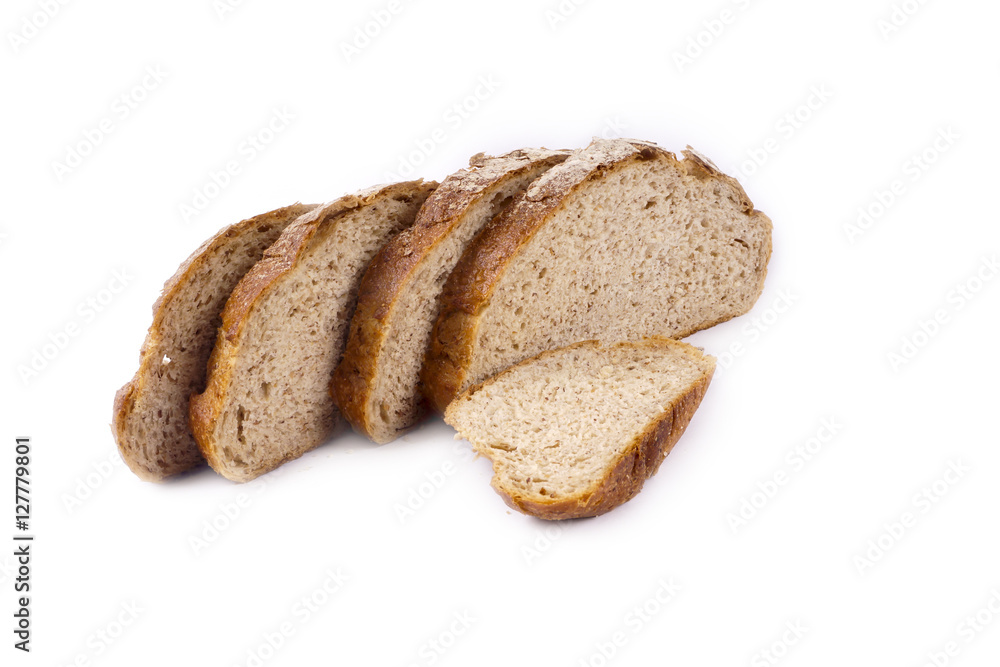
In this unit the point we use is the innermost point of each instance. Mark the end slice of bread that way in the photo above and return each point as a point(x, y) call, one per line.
point(575, 432)
point(267, 399)
point(620, 241)
point(377, 385)
point(150, 421)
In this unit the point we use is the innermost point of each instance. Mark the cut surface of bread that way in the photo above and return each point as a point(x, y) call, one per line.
point(150, 420)
point(620, 241)
point(267, 398)
point(575, 432)
point(377, 385)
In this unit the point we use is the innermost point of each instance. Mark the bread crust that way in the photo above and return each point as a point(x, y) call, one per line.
point(639, 461)
point(150, 356)
point(280, 258)
point(471, 285)
point(395, 265)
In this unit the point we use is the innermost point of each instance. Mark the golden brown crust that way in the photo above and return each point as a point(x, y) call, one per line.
point(123, 406)
point(205, 408)
point(638, 462)
point(394, 266)
point(484, 262)
point(149, 358)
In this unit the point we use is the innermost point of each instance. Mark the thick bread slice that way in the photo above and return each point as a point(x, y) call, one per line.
point(283, 331)
point(150, 422)
point(619, 242)
point(377, 385)
point(576, 432)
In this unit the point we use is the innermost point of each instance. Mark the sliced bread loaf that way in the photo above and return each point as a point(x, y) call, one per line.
point(150, 422)
point(377, 385)
point(267, 399)
point(619, 242)
point(575, 432)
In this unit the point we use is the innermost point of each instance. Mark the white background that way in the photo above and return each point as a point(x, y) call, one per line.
point(537, 593)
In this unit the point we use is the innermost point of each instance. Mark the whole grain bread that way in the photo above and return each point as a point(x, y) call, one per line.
point(618, 242)
point(150, 420)
point(576, 432)
point(377, 384)
point(267, 398)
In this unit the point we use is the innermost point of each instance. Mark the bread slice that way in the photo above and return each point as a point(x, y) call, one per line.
point(619, 242)
point(575, 432)
point(283, 331)
point(150, 421)
point(377, 385)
